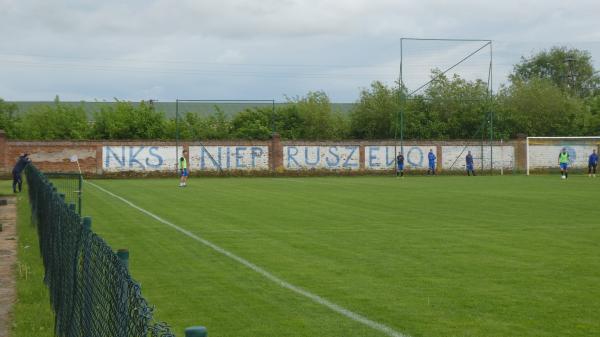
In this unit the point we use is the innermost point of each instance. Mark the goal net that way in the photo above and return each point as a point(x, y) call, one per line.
point(542, 152)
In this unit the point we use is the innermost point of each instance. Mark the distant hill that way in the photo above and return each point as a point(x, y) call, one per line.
point(204, 108)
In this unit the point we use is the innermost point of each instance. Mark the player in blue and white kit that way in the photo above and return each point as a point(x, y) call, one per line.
point(469, 160)
point(592, 163)
point(431, 158)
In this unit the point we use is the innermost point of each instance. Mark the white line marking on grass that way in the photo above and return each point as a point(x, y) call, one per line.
point(316, 298)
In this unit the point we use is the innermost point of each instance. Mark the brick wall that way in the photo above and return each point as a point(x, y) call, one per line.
point(101, 157)
point(55, 156)
point(3, 149)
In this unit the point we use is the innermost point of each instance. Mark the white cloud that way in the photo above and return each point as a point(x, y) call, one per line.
point(181, 48)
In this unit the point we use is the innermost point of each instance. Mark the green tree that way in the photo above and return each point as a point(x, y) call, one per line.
point(456, 107)
point(374, 115)
point(8, 118)
point(591, 118)
point(569, 69)
point(252, 124)
point(288, 122)
point(126, 120)
point(55, 121)
point(539, 108)
point(318, 119)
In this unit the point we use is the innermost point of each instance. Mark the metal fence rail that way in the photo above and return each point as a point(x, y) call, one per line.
point(91, 291)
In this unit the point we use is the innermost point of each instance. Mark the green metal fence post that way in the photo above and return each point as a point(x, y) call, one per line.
point(87, 222)
point(123, 255)
point(88, 298)
point(196, 331)
point(80, 192)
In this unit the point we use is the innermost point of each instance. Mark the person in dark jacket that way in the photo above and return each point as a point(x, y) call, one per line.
point(592, 164)
point(470, 168)
point(400, 165)
point(17, 170)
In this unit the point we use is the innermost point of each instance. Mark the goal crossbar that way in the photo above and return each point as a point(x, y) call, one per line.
point(571, 138)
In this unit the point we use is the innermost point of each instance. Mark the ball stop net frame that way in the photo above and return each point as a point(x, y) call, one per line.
point(228, 106)
point(416, 75)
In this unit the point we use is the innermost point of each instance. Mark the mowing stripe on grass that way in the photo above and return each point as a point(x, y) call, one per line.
point(316, 298)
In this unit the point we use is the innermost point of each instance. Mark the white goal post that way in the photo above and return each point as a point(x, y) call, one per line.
point(542, 152)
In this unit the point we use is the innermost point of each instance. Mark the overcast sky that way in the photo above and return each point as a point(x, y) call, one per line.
point(268, 49)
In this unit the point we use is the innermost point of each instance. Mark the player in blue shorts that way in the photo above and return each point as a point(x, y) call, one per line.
point(469, 160)
point(183, 170)
point(563, 162)
point(400, 165)
point(592, 164)
point(431, 159)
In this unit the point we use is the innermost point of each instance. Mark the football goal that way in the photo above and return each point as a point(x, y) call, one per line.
point(542, 152)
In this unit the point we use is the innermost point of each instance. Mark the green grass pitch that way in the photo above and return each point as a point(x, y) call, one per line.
point(425, 256)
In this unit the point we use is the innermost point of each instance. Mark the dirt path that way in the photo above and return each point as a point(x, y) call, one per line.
point(8, 258)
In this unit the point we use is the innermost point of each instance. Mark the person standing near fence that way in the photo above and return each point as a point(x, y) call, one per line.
point(17, 170)
point(470, 168)
point(592, 164)
point(431, 158)
point(183, 170)
point(400, 165)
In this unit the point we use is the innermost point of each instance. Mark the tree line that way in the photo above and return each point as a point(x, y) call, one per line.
point(553, 93)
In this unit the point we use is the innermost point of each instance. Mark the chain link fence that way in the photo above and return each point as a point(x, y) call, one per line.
point(91, 291)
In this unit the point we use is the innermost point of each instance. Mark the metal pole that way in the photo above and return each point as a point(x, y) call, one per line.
point(273, 117)
point(490, 99)
point(482, 140)
point(80, 192)
point(527, 154)
point(402, 131)
point(176, 135)
point(400, 93)
point(501, 157)
point(491, 142)
point(398, 112)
